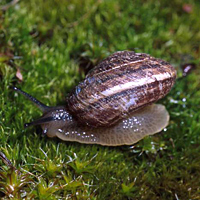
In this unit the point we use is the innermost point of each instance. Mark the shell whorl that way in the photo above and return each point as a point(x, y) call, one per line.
point(119, 85)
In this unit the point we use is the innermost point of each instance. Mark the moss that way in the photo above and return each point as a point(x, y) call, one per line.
point(48, 41)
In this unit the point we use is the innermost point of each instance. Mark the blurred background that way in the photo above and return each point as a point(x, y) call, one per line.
point(46, 48)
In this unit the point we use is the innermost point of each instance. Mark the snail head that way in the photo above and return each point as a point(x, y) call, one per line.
point(50, 114)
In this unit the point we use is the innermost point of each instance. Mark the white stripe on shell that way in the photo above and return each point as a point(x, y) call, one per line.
point(136, 83)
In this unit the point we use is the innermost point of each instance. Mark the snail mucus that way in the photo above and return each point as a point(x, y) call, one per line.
point(114, 104)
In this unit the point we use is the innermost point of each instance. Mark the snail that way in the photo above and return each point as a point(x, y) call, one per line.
point(113, 105)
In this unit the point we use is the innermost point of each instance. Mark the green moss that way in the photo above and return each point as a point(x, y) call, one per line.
point(53, 39)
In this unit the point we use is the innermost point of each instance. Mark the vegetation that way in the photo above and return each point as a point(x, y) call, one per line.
point(45, 48)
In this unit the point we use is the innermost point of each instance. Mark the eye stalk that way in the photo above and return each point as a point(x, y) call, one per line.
point(39, 104)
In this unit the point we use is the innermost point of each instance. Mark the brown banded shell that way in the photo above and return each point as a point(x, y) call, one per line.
point(119, 85)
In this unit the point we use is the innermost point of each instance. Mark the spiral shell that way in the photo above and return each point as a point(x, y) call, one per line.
point(119, 85)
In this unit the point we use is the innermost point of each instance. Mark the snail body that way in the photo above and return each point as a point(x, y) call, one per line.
point(113, 104)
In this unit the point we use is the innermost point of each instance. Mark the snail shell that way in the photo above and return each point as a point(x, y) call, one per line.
point(119, 85)
point(113, 105)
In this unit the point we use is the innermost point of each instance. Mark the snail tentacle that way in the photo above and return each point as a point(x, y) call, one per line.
point(44, 108)
point(39, 121)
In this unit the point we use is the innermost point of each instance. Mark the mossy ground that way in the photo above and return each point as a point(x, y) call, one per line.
point(55, 41)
